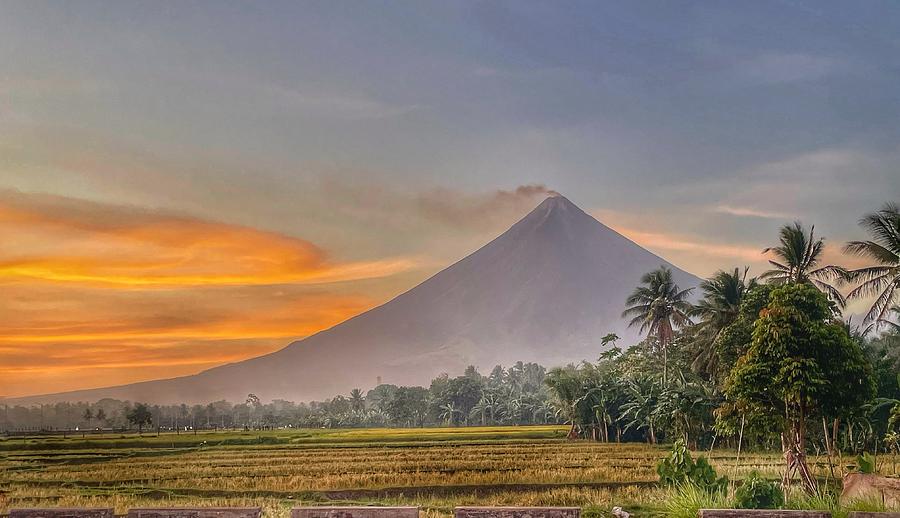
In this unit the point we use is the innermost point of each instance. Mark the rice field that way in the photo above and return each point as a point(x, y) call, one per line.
point(436, 469)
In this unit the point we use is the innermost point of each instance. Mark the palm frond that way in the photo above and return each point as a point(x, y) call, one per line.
point(881, 305)
point(872, 285)
point(833, 294)
point(872, 250)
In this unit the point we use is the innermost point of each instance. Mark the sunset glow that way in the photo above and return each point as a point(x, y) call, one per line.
point(196, 184)
point(96, 294)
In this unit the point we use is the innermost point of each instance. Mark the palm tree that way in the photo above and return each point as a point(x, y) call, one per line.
point(357, 400)
point(659, 308)
point(798, 258)
point(687, 407)
point(882, 280)
point(719, 308)
point(487, 405)
point(640, 412)
point(448, 413)
point(566, 386)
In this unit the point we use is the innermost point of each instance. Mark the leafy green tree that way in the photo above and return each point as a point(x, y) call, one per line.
point(464, 392)
point(881, 281)
point(379, 397)
point(801, 364)
point(733, 340)
point(720, 307)
point(798, 256)
point(659, 307)
point(408, 406)
point(253, 405)
point(140, 416)
point(609, 338)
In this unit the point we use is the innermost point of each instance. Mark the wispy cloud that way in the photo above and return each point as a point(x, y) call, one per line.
point(682, 243)
point(775, 68)
point(347, 106)
point(750, 212)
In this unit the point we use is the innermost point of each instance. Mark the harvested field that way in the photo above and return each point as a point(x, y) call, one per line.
point(435, 468)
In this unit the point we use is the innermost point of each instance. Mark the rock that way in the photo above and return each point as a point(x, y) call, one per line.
point(867, 486)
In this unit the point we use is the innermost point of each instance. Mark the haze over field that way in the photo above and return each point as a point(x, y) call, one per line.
point(184, 186)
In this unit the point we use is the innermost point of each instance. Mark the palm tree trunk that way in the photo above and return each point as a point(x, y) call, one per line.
point(665, 331)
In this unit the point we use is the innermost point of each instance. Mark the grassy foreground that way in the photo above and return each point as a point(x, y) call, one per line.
point(436, 468)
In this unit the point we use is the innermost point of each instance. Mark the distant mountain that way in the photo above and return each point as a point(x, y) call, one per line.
point(546, 290)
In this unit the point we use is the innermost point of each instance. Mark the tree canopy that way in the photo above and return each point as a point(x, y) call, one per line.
point(803, 363)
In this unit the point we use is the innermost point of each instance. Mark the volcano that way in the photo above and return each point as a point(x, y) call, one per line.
point(545, 290)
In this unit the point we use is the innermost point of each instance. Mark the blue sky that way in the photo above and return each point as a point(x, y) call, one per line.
point(394, 137)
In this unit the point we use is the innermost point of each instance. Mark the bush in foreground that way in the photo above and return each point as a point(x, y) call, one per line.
point(679, 468)
point(758, 493)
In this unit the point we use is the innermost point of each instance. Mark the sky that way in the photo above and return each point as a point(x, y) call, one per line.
point(184, 184)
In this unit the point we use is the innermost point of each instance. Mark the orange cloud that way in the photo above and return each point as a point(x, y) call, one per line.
point(97, 295)
point(61, 239)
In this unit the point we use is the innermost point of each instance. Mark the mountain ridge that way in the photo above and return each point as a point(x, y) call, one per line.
point(545, 290)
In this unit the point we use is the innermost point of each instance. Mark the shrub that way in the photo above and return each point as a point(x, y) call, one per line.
point(865, 463)
point(679, 468)
point(758, 493)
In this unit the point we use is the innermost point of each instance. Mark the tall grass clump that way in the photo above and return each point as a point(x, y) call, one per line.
point(872, 504)
point(686, 500)
point(822, 500)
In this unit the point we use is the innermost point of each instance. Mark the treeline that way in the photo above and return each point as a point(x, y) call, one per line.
point(768, 361)
point(509, 396)
point(621, 397)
